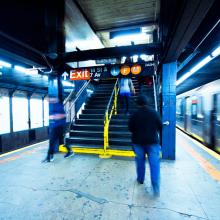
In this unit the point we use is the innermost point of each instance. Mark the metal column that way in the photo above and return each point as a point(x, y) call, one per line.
point(169, 110)
point(55, 90)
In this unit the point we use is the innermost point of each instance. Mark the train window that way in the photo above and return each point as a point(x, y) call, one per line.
point(36, 110)
point(179, 106)
point(188, 106)
point(20, 112)
point(4, 113)
point(218, 107)
point(199, 108)
point(46, 112)
point(194, 109)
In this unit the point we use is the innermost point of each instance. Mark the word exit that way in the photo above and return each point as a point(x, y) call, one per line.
point(80, 74)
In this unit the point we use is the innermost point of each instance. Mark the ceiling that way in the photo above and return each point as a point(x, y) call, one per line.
point(105, 15)
point(180, 27)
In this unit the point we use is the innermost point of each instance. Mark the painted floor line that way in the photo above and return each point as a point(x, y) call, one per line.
point(14, 157)
point(206, 165)
point(209, 151)
point(21, 149)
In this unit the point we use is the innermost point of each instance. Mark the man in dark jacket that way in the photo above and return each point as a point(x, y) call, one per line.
point(145, 126)
point(57, 124)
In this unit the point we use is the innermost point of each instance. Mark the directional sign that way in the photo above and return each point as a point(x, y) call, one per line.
point(80, 74)
point(113, 71)
point(65, 75)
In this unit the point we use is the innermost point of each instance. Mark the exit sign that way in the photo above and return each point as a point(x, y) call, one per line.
point(80, 74)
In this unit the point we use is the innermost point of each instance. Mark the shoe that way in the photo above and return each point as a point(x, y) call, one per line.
point(140, 182)
point(156, 192)
point(69, 154)
point(48, 159)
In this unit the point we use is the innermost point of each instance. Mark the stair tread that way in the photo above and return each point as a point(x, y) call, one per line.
point(85, 138)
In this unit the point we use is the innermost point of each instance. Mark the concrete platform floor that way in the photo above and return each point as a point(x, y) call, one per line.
point(87, 187)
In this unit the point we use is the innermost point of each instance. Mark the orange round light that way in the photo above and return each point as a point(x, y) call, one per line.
point(125, 70)
point(136, 69)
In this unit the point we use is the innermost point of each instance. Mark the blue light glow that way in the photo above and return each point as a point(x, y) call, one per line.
point(5, 64)
point(198, 66)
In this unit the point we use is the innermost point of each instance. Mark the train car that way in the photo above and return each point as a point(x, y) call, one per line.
point(198, 114)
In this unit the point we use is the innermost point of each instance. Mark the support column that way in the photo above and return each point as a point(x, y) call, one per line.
point(11, 110)
point(55, 90)
point(169, 110)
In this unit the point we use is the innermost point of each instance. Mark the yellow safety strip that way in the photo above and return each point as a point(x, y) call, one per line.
point(20, 149)
point(17, 156)
point(208, 167)
point(208, 150)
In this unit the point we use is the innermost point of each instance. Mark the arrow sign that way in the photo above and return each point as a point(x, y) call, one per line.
point(64, 75)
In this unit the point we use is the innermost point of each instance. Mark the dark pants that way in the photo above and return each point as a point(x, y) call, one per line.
point(153, 153)
point(56, 135)
point(124, 101)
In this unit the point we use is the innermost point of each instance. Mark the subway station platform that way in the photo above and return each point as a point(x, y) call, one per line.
point(87, 187)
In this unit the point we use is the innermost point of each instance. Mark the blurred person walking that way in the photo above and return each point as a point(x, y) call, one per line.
point(145, 126)
point(126, 88)
point(57, 125)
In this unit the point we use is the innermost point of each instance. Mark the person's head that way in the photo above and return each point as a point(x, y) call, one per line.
point(142, 100)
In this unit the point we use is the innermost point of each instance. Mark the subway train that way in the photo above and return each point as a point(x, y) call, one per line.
point(198, 114)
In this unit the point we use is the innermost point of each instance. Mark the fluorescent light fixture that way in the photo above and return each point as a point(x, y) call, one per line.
point(135, 58)
point(201, 64)
point(194, 69)
point(5, 64)
point(67, 83)
point(26, 71)
point(123, 59)
point(121, 40)
point(216, 52)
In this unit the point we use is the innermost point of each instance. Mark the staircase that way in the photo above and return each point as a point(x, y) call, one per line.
point(87, 130)
point(119, 136)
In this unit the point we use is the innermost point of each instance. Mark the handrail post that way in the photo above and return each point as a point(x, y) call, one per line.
point(115, 104)
point(106, 122)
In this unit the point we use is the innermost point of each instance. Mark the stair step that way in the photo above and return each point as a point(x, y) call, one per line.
point(93, 106)
point(87, 127)
point(116, 147)
point(90, 146)
point(90, 121)
point(120, 141)
point(120, 128)
point(93, 111)
point(91, 116)
point(84, 140)
point(78, 133)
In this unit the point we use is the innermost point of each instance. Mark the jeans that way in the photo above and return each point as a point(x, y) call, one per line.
point(124, 101)
point(56, 136)
point(153, 152)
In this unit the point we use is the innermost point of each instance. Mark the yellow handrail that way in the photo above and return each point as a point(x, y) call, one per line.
point(108, 116)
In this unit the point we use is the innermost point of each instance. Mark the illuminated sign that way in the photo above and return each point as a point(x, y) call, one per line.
point(115, 70)
point(136, 69)
point(80, 74)
point(125, 70)
point(111, 71)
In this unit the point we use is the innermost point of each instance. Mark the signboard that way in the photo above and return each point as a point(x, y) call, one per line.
point(80, 74)
point(106, 61)
point(111, 71)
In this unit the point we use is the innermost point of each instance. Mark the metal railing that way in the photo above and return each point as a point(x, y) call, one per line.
point(72, 105)
point(108, 114)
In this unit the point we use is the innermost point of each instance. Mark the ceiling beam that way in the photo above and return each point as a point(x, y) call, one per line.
point(148, 49)
point(13, 49)
point(193, 13)
point(128, 26)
